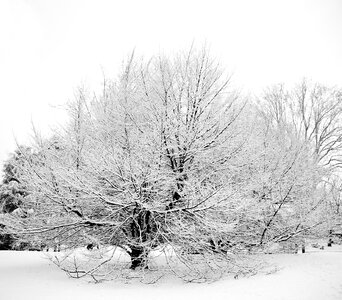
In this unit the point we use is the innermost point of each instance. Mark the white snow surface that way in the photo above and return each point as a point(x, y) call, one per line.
point(315, 275)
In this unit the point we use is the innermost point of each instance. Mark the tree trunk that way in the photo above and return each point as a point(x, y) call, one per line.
point(138, 257)
point(303, 248)
point(140, 233)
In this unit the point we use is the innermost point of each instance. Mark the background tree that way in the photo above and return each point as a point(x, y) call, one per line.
point(12, 195)
point(333, 188)
point(12, 191)
point(313, 112)
point(278, 180)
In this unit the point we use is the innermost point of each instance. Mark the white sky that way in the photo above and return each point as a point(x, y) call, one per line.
point(48, 48)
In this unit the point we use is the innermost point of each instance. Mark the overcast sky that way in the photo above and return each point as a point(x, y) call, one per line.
point(49, 47)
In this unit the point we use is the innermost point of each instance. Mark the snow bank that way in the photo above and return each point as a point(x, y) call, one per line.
point(316, 274)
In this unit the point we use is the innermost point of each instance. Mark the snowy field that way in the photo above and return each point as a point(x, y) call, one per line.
point(315, 275)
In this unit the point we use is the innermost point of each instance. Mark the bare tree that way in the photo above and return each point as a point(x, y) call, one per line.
point(149, 167)
point(281, 176)
point(313, 112)
point(333, 186)
point(164, 159)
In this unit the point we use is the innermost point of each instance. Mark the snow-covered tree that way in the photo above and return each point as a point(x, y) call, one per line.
point(145, 164)
point(167, 157)
point(313, 112)
point(12, 191)
point(12, 195)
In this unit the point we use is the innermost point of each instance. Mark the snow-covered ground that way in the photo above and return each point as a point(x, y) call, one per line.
point(315, 275)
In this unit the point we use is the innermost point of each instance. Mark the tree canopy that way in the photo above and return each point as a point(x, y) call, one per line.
point(169, 156)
